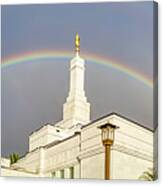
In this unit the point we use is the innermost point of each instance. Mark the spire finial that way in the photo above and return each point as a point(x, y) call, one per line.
point(77, 44)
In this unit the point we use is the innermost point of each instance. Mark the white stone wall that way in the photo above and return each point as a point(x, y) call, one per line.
point(15, 173)
point(44, 136)
point(30, 162)
point(92, 166)
point(5, 162)
point(127, 166)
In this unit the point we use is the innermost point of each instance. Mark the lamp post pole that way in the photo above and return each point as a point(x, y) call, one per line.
point(107, 144)
point(107, 162)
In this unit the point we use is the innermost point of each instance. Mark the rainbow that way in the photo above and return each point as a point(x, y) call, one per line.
point(35, 56)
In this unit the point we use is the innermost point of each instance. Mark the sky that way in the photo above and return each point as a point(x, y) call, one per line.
point(33, 93)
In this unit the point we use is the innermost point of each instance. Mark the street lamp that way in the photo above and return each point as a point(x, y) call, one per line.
point(107, 135)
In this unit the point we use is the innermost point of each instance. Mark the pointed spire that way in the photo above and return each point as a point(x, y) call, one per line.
point(77, 44)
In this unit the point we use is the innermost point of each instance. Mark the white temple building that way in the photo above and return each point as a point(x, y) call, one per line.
point(72, 148)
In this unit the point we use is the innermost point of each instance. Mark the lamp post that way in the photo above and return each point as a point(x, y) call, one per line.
point(107, 135)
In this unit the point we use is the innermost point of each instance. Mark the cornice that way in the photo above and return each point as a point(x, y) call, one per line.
point(120, 148)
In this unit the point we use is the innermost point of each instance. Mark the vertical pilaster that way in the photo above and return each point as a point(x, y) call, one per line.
point(67, 172)
point(42, 162)
point(58, 174)
point(77, 173)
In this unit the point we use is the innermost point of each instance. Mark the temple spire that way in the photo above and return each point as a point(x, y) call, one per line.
point(76, 109)
point(77, 44)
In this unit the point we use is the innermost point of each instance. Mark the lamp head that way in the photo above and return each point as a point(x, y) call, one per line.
point(107, 133)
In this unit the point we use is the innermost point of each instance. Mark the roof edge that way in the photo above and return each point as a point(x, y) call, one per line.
point(119, 115)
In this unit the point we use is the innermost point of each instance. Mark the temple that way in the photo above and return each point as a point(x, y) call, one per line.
point(73, 148)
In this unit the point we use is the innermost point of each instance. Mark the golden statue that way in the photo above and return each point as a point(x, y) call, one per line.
point(77, 43)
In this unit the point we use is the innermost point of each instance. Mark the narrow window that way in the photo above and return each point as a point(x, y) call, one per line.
point(62, 173)
point(53, 174)
point(71, 172)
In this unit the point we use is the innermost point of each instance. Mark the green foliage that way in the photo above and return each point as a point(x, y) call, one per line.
point(149, 175)
point(14, 157)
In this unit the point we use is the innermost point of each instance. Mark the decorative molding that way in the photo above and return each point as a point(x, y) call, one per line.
point(132, 152)
point(119, 148)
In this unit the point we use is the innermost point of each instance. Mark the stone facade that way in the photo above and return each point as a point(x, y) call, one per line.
point(131, 153)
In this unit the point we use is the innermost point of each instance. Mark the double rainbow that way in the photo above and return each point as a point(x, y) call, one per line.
point(35, 56)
